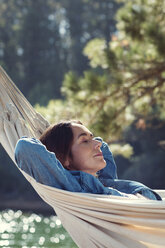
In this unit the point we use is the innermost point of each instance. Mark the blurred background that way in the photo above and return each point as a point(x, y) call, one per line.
point(102, 62)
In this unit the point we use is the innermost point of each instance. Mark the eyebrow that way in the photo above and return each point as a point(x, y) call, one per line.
point(85, 134)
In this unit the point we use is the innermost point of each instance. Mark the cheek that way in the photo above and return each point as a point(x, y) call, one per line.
point(80, 157)
point(77, 155)
point(84, 151)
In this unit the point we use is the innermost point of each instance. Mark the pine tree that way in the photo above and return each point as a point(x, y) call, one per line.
point(126, 80)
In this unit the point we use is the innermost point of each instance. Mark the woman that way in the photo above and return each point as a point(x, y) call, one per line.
point(68, 157)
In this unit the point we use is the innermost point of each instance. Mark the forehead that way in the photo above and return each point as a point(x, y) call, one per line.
point(79, 129)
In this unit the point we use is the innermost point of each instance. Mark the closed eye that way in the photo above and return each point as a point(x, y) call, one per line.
point(85, 137)
point(88, 140)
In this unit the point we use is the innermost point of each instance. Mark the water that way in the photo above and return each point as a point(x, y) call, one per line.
point(20, 230)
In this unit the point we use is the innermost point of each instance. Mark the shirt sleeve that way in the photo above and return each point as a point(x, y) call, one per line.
point(110, 170)
point(33, 158)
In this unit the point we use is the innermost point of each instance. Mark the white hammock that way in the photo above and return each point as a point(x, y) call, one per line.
point(92, 220)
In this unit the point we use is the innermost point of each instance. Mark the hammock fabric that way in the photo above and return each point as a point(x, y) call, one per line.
point(92, 220)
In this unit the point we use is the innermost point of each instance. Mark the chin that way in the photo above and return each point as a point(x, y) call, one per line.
point(102, 164)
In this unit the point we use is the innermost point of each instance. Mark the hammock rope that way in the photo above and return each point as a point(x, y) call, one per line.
point(11, 94)
point(91, 220)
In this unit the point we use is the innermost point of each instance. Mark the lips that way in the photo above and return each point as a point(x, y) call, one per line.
point(99, 154)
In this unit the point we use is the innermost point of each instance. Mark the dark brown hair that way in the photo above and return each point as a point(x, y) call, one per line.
point(58, 138)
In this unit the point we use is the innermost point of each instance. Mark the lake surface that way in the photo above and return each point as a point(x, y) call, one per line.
point(20, 230)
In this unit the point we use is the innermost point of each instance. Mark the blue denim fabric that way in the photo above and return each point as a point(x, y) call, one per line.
point(32, 157)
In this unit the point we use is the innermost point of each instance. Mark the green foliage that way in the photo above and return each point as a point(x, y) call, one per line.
point(125, 150)
point(95, 51)
point(127, 77)
point(70, 83)
point(144, 21)
point(56, 111)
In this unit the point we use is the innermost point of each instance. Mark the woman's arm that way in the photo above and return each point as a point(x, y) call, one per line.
point(108, 177)
point(110, 170)
point(33, 158)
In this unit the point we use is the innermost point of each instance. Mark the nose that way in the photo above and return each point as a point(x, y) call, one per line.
point(97, 143)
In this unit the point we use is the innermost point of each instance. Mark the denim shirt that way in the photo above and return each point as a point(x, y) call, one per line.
point(33, 158)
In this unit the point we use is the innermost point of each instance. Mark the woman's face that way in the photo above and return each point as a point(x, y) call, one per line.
point(86, 153)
